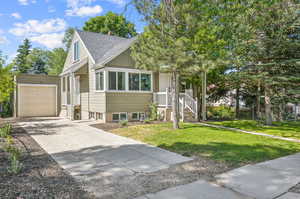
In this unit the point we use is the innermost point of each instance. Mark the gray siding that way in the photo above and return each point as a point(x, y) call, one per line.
point(128, 102)
point(96, 99)
point(124, 60)
point(82, 52)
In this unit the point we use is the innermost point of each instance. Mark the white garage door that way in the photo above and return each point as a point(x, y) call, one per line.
point(37, 100)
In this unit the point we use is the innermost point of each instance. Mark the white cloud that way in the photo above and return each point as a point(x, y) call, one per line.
point(51, 9)
point(119, 2)
point(82, 8)
point(53, 40)
point(26, 2)
point(34, 27)
point(16, 15)
point(3, 40)
point(85, 11)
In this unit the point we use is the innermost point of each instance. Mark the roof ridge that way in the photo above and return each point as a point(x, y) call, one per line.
point(96, 33)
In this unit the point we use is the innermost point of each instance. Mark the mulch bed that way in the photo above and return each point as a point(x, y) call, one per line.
point(41, 176)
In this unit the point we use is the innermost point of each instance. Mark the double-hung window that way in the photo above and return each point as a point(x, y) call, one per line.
point(116, 81)
point(100, 81)
point(139, 81)
point(76, 51)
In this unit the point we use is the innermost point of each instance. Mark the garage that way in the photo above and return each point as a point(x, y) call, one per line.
point(37, 100)
point(37, 96)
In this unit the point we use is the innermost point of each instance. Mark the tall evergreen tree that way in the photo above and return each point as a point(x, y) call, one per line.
point(274, 51)
point(20, 62)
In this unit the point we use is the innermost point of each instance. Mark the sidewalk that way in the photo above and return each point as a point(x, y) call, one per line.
point(267, 180)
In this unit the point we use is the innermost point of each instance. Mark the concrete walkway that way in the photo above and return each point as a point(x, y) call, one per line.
point(90, 154)
point(267, 180)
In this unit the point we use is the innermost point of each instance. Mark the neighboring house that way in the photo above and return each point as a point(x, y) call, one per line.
point(99, 81)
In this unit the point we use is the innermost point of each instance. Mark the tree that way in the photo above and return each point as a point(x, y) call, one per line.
point(165, 45)
point(273, 51)
point(6, 81)
point(20, 61)
point(57, 59)
point(38, 61)
point(68, 37)
point(111, 23)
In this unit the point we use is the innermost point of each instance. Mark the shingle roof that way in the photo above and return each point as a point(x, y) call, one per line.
point(104, 47)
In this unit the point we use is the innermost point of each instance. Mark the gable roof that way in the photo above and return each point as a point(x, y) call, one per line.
point(104, 47)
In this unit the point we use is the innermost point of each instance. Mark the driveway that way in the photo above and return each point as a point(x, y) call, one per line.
point(92, 155)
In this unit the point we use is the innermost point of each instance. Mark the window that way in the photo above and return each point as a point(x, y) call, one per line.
point(116, 117)
point(76, 51)
point(100, 81)
point(116, 81)
point(121, 81)
point(138, 116)
point(134, 81)
point(139, 82)
point(145, 82)
point(119, 116)
point(135, 116)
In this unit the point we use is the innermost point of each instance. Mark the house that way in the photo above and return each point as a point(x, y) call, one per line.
point(100, 81)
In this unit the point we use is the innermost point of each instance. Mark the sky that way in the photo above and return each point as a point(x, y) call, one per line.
point(44, 21)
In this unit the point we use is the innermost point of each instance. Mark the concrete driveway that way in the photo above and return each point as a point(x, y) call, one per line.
point(89, 154)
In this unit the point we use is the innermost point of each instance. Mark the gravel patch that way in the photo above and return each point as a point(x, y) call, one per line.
point(41, 177)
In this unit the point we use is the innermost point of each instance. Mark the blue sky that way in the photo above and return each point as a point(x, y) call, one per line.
point(44, 21)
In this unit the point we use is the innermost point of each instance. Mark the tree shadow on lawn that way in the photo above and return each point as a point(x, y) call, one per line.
point(233, 154)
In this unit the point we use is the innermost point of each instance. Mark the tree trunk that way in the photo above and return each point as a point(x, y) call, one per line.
point(175, 99)
point(280, 111)
point(296, 113)
point(258, 109)
point(268, 106)
point(203, 109)
point(237, 103)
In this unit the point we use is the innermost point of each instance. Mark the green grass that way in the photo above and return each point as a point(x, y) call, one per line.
point(283, 129)
point(230, 147)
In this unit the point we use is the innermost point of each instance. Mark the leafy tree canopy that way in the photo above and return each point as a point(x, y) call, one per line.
point(111, 23)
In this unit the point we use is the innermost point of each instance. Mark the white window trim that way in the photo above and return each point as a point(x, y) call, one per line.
point(95, 84)
point(127, 71)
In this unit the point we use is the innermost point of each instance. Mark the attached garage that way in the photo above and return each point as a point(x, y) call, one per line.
point(37, 96)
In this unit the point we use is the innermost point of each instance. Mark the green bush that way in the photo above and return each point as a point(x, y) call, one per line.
point(124, 123)
point(221, 113)
point(5, 131)
point(153, 111)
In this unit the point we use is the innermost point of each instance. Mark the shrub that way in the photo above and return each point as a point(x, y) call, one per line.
point(124, 123)
point(153, 111)
point(221, 112)
point(14, 156)
point(5, 131)
point(147, 121)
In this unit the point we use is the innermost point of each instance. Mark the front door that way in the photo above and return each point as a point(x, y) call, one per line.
point(164, 81)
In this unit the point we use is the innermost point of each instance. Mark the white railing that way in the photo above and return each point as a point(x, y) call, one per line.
point(164, 99)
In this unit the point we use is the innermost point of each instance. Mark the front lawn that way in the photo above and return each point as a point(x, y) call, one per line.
point(283, 129)
point(230, 147)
